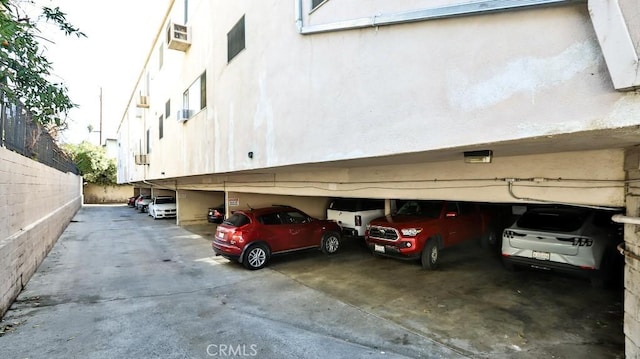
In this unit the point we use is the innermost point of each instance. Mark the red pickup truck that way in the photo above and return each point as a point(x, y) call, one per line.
point(420, 229)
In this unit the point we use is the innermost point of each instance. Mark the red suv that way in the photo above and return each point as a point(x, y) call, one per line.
point(252, 237)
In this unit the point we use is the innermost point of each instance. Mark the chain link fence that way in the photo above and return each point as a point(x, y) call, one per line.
point(20, 134)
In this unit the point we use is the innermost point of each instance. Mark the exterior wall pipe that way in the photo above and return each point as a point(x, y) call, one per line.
point(619, 218)
point(442, 12)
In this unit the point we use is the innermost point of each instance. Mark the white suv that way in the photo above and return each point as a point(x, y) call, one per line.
point(353, 214)
point(574, 240)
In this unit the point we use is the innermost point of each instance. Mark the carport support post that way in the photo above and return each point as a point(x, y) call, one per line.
point(632, 266)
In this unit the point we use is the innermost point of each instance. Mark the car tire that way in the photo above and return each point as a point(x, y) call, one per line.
point(256, 257)
point(430, 253)
point(489, 240)
point(330, 242)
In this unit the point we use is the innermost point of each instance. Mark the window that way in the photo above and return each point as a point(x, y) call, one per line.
point(160, 127)
point(160, 57)
point(149, 141)
point(195, 98)
point(270, 219)
point(203, 90)
point(167, 109)
point(235, 39)
point(316, 3)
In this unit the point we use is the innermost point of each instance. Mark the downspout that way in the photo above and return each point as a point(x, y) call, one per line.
point(440, 12)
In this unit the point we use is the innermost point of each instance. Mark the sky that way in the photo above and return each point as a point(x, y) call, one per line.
point(120, 34)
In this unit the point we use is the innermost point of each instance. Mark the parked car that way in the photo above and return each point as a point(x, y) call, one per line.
point(251, 237)
point(572, 240)
point(353, 214)
point(216, 214)
point(163, 207)
point(420, 229)
point(131, 202)
point(143, 202)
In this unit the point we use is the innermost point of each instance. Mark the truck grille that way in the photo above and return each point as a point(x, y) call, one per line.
point(388, 234)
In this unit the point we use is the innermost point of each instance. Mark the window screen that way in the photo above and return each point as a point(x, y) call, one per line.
point(235, 39)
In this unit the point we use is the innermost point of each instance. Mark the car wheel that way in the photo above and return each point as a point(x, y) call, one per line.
point(489, 240)
point(256, 257)
point(430, 254)
point(330, 242)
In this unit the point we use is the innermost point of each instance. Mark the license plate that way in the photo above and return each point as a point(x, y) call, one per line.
point(541, 255)
point(378, 248)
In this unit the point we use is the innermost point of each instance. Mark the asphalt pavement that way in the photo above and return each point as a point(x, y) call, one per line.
point(120, 285)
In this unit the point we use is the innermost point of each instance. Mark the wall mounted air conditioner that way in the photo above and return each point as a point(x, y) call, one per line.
point(183, 115)
point(178, 37)
point(142, 159)
point(143, 102)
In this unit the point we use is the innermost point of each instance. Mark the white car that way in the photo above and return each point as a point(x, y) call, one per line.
point(163, 207)
point(353, 214)
point(572, 240)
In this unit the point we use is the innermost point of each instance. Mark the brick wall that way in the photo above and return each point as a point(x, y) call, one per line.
point(36, 204)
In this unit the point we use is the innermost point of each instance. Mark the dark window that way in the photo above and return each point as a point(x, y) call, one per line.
point(372, 204)
point(148, 141)
point(167, 109)
point(235, 39)
point(165, 200)
point(237, 220)
point(421, 208)
point(316, 3)
point(294, 217)
point(452, 207)
point(203, 90)
point(344, 204)
point(270, 219)
point(552, 220)
point(160, 127)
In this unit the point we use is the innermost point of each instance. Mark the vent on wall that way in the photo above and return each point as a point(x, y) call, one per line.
point(142, 159)
point(178, 37)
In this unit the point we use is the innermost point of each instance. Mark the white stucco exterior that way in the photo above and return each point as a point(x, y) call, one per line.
point(381, 98)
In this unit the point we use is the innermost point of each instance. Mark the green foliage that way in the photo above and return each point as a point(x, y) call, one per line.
point(93, 163)
point(24, 70)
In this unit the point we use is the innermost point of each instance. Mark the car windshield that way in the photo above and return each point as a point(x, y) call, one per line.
point(430, 209)
point(237, 220)
point(554, 221)
point(165, 200)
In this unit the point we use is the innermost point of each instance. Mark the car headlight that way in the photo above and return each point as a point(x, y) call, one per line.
point(411, 232)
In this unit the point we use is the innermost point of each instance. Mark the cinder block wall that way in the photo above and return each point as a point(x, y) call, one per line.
point(36, 204)
point(95, 194)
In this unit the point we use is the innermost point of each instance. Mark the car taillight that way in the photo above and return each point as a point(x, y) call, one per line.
point(237, 238)
point(358, 220)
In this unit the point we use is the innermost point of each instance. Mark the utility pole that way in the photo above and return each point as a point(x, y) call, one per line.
point(100, 144)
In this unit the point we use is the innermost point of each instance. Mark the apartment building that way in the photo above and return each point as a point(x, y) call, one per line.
point(297, 101)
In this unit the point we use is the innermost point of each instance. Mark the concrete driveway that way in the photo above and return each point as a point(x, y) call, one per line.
point(119, 284)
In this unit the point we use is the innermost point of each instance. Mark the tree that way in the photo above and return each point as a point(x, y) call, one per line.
point(24, 70)
point(93, 163)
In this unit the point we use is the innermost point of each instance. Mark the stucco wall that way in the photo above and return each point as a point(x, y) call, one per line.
point(632, 265)
point(94, 194)
point(37, 202)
